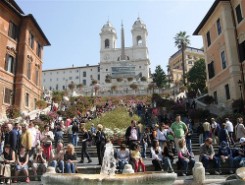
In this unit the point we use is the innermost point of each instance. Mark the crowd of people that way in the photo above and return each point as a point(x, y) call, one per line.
point(26, 149)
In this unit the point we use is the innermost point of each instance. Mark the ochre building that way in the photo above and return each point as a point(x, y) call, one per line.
point(21, 54)
point(223, 32)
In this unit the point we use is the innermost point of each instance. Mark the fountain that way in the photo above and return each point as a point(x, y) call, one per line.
point(107, 175)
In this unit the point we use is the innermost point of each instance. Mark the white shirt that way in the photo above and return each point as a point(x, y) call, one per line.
point(161, 135)
point(133, 134)
point(34, 136)
point(156, 156)
point(229, 126)
point(214, 124)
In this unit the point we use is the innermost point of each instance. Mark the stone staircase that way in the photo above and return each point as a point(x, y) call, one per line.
point(89, 168)
point(93, 153)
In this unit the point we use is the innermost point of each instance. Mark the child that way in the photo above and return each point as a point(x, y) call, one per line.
point(136, 157)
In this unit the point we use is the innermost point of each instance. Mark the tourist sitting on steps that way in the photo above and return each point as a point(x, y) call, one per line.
point(39, 162)
point(8, 157)
point(57, 158)
point(70, 159)
point(185, 158)
point(239, 161)
point(225, 154)
point(168, 156)
point(156, 152)
point(22, 164)
point(122, 157)
point(207, 155)
point(137, 159)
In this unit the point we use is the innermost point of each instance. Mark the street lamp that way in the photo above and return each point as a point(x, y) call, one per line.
point(240, 85)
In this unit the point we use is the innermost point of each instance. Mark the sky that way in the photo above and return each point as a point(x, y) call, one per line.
point(73, 26)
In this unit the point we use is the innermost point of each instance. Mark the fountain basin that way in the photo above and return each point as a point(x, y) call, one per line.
point(144, 178)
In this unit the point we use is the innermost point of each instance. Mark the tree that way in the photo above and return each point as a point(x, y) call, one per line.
point(182, 41)
point(79, 86)
point(159, 77)
point(57, 96)
point(71, 86)
point(113, 88)
point(41, 104)
point(133, 86)
point(12, 112)
point(197, 76)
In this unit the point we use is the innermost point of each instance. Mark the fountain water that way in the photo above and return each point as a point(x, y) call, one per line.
point(107, 175)
point(109, 162)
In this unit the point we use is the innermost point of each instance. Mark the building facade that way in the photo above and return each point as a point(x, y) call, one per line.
point(175, 63)
point(223, 32)
point(117, 70)
point(21, 52)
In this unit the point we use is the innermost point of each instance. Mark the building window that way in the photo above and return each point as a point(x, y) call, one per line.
point(39, 50)
point(63, 87)
point(37, 77)
point(98, 77)
point(91, 69)
point(211, 71)
point(31, 40)
point(77, 77)
point(208, 38)
point(219, 29)
point(215, 97)
point(70, 78)
point(27, 96)
point(57, 87)
point(239, 17)
point(28, 72)
point(84, 74)
point(8, 96)
point(84, 82)
point(107, 43)
point(227, 92)
point(139, 40)
point(190, 62)
point(57, 72)
point(64, 72)
point(140, 67)
point(98, 69)
point(50, 79)
point(223, 59)
point(106, 70)
point(9, 63)
point(242, 51)
point(13, 30)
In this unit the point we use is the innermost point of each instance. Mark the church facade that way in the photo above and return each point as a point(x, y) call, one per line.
point(120, 69)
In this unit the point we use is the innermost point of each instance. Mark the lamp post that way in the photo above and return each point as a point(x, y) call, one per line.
point(242, 104)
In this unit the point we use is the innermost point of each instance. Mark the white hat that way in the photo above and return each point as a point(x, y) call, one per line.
point(242, 140)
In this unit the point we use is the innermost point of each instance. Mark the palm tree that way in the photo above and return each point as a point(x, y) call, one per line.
point(182, 41)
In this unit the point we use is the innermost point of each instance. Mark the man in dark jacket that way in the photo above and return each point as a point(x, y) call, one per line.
point(11, 137)
point(100, 140)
